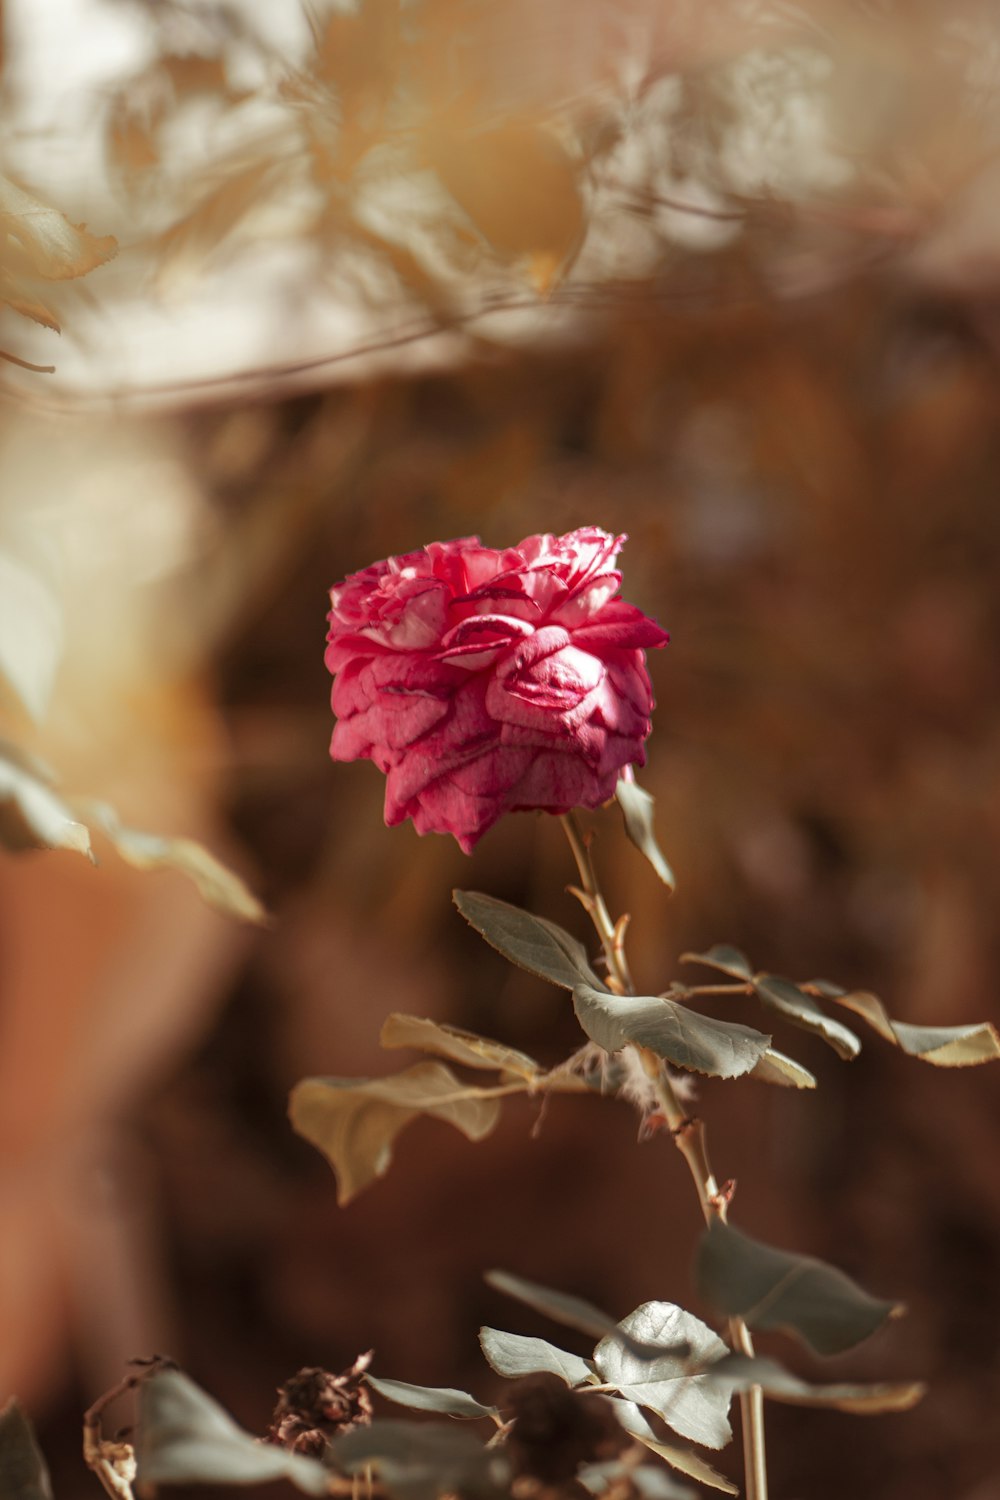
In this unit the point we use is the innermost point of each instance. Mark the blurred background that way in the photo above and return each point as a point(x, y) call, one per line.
point(722, 277)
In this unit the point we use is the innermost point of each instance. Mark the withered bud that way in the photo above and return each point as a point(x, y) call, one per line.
point(315, 1406)
point(556, 1430)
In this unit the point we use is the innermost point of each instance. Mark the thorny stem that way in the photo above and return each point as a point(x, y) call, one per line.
point(688, 1135)
point(114, 1462)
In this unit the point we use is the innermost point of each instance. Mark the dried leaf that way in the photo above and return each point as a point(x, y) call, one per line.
point(775, 1067)
point(455, 1044)
point(354, 1122)
point(944, 1046)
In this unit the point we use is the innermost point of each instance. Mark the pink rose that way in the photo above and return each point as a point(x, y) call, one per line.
point(483, 682)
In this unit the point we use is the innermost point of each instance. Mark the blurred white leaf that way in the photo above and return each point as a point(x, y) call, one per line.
point(216, 884)
point(31, 815)
point(31, 633)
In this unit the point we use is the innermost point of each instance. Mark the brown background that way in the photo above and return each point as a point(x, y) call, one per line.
point(809, 487)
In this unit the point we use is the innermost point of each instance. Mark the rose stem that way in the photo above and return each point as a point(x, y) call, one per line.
point(688, 1135)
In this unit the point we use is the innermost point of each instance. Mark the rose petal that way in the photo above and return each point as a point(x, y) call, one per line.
point(484, 681)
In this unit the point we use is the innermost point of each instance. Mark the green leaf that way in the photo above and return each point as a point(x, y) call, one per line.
point(514, 1355)
point(23, 1472)
point(686, 1460)
point(725, 958)
point(31, 633)
point(784, 997)
point(771, 1288)
point(354, 1121)
point(637, 809)
point(184, 1437)
point(651, 1484)
point(533, 943)
point(32, 816)
point(442, 1399)
point(739, 1373)
point(944, 1046)
point(691, 1404)
point(421, 1461)
point(218, 886)
point(775, 1067)
point(699, 1043)
point(457, 1045)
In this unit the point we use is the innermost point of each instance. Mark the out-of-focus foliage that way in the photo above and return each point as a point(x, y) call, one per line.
point(503, 170)
point(23, 1474)
point(773, 361)
point(38, 245)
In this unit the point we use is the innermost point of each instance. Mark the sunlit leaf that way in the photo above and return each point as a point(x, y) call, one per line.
point(354, 1121)
point(739, 1373)
point(515, 1354)
point(686, 1460)
point(443, 1400)
point(771, 1288)
point(31, 633)
point(726, 959)
point(455, 1044)
point(23, 1472)
point(775, 1067)
point(215, 883)
point(534, 943)
point(419, 1461)
point(32, 816)
point(785, 998)
point(574, 1312)
point(690, 1404)
point(944, 1046)
point(184, 1437)
point(674, 1032)
point(637, 808)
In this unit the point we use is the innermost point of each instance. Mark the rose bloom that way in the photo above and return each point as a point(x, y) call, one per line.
point(484, 682)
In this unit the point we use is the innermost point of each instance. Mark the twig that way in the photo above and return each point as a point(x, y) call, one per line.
point(688, 1134)
point(113, 1461)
